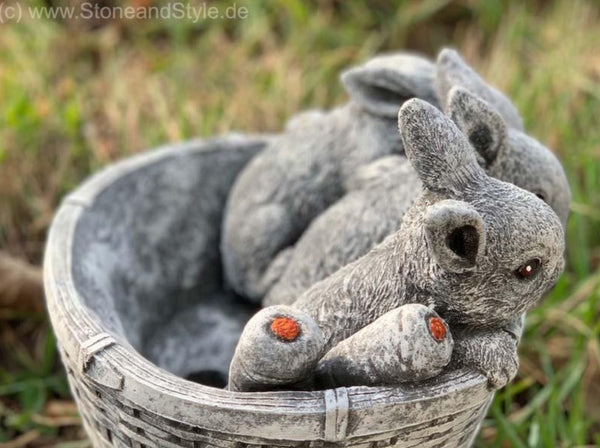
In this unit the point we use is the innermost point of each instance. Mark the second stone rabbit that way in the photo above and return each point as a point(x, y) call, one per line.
point(385, 189)
point(315, 163)
point(478, 251)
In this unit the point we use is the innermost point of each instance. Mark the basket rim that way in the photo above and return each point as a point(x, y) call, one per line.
point(313, 415)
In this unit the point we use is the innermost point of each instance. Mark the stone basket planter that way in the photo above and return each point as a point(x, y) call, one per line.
point(137, 244)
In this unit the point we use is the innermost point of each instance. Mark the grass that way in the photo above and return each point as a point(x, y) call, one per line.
point(75, 97)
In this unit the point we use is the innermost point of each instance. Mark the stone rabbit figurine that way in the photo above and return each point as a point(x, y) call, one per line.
point(452, 70)
point(303, 171)
point(375, 204)
point(478, 251)
point(289, 182)
point(384, 190)
point(504, 151)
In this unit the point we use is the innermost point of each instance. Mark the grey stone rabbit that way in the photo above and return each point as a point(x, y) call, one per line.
point(386, 188)
point(477, 250)
point(503, 150)
point(373, 209)
point(257, 240)
point(452, 70)
point(306, 169)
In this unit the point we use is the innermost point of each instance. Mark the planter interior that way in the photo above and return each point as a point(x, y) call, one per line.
point(148, 259)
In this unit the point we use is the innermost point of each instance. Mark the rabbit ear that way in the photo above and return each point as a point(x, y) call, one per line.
point(480, 122)
point(383, 84)
point(438, 151)
point(453, 71)
point(455, 232)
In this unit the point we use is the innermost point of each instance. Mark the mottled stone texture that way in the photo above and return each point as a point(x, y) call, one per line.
point(370, 211)
point(198, 342)
point(305, 170)
point(495, 129)
point(265, 361)
point(477, 250)
point(139, 267)
point(508, 154)
point(453, 71)
point(386, 81)
point(407, 344)
point(125, 400)
point(375, 206)
point(285, 262)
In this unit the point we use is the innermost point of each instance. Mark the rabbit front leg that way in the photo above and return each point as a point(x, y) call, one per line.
point(493, 352)
point(410, 343)
point(278, 349)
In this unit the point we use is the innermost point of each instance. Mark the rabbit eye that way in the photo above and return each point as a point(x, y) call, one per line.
point(541, 196)
point(529, 269)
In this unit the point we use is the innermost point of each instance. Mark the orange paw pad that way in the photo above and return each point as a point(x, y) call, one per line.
point(437, 328)
point(285, 328)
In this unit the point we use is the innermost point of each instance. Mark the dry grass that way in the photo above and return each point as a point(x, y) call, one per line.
point(74, 99)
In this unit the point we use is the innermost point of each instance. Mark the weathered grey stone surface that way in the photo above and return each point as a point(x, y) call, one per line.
point(495, 129)
point(452, 71)
point(399, 347)
point(380, 195)
point(375, 206)
point(263, 360)
point(387, 81)
point(281, 346)
point(508, 154)
point(125, 400)
point(305, 170)
point(503, 151)
point(131, 258)
point(199, 341)
point(478, 250)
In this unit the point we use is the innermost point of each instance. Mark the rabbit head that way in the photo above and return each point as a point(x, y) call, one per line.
point(452, 70)
point(509, 154)
point(493, 248)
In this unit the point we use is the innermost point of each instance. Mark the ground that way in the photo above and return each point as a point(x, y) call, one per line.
point(76, 95)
